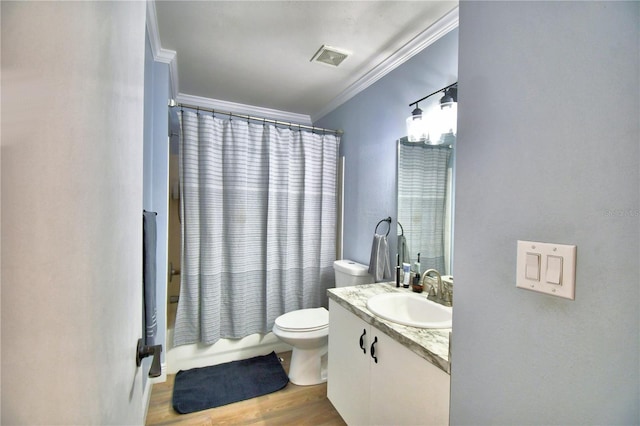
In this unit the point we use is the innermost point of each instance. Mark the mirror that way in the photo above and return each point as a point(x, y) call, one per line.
point(425, 203)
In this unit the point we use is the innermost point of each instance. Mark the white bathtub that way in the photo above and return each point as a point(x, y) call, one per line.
point(199, 355)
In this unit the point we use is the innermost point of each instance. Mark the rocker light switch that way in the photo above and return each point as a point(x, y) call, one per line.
point(547, 268)
point(532, 268)
point(554, 269)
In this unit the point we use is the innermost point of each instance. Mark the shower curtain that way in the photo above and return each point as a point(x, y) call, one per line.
point(422, 197)
point(258, 231)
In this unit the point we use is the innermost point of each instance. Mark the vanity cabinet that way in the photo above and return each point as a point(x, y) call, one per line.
point(373, 379)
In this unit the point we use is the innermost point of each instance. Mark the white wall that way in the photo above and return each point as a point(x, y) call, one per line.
point(548, 150)
point(72, 117)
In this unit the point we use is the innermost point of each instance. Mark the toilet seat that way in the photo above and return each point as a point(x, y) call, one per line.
point(304, 320)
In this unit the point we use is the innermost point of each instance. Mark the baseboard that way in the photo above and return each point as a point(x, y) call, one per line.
point(146, 398)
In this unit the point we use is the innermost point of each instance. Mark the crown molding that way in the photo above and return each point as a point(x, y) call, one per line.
point(159, 54)
point(237, 108)
point(164, 56)
point(436, 31)
point(173, 76)
point(429, 36)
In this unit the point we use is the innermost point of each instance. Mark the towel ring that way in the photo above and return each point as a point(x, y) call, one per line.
point(388, 220)
point(401, 228)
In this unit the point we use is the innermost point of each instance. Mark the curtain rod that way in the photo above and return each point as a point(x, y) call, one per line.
point(437, 91)
point(262, 119)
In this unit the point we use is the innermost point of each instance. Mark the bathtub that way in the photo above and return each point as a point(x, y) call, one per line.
point(196, 355)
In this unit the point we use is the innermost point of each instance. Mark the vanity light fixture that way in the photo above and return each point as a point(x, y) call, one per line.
point(418, 129)
point(449, 111)
point(450, 97)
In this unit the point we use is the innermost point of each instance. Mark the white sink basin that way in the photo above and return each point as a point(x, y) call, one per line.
point(410, 309)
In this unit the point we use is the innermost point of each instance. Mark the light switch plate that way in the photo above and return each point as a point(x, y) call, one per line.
point(551, 256)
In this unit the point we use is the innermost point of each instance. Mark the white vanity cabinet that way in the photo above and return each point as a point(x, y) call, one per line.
point(399, 388)
point(348, 376)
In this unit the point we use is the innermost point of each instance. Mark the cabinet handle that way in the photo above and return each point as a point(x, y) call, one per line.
point(364, 331)
point(373, 349)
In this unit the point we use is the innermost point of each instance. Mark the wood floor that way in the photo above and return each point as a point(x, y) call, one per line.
point(293, 405)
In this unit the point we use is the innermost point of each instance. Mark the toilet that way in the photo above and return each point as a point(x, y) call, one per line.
point(307, 330)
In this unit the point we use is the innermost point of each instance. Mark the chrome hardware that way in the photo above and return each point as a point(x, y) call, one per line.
point(440, 292)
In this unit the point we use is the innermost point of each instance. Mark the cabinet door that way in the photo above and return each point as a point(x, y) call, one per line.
point(348, 369)
point(405, 388)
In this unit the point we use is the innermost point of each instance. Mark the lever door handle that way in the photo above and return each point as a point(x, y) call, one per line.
point(144, 351)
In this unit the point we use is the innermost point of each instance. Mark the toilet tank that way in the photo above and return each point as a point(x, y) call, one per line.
point(350, 273)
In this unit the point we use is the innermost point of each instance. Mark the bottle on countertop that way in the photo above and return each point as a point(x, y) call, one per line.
point(406, 269)
point(415, 285)
point(416, 266)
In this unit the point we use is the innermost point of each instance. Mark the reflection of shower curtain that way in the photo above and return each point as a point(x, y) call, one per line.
point(422, 189)
point(258, 231)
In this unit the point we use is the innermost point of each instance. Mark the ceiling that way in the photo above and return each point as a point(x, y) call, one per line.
point(258, 52)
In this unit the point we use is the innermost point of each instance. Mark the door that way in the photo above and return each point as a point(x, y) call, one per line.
point(72, 79)
point(405, 388)
point(348, 374)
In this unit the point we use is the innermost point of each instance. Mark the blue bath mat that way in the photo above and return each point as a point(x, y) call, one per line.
point(208, 387)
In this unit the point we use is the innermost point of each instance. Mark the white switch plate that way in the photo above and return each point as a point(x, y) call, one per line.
point(567, 276)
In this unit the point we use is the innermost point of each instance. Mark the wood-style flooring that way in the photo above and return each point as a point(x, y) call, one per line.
point(293, 405)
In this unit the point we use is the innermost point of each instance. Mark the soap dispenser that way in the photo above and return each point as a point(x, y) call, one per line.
point(416, 266)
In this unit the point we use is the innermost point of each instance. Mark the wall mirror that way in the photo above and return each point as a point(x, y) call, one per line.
point(425, 179)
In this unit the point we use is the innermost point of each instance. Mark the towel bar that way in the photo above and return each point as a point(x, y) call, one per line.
point(388, 220)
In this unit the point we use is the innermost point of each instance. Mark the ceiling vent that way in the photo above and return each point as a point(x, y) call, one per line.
point(330, 55)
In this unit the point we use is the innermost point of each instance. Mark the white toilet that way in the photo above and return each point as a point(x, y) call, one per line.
point(307, 330)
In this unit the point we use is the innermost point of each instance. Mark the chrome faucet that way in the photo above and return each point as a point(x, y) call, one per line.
point(432, 292)
point(436, 293)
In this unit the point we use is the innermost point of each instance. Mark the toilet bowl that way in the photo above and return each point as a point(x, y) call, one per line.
point(307, 330)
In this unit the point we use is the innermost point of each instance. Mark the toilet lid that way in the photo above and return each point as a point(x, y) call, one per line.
point(304, 320)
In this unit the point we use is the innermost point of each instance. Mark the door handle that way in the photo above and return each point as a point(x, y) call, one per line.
point(364, 332)
point(373, 349)
point(144, 351)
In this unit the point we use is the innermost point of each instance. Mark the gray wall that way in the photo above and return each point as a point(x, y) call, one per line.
point(156, 176)
point(372, 122)
point(72, 128)
point(547, 151)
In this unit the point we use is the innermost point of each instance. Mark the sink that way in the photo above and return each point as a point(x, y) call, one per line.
point(410, 309)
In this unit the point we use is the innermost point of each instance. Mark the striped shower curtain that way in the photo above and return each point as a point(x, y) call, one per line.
point(258, 230)
point(422, 197)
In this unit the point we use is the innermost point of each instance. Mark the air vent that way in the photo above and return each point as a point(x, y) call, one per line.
point(330, 55)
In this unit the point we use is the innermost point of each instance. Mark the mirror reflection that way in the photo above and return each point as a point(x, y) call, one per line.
point(425, 203)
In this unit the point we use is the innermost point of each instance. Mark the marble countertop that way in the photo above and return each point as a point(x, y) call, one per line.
point(430, 344)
